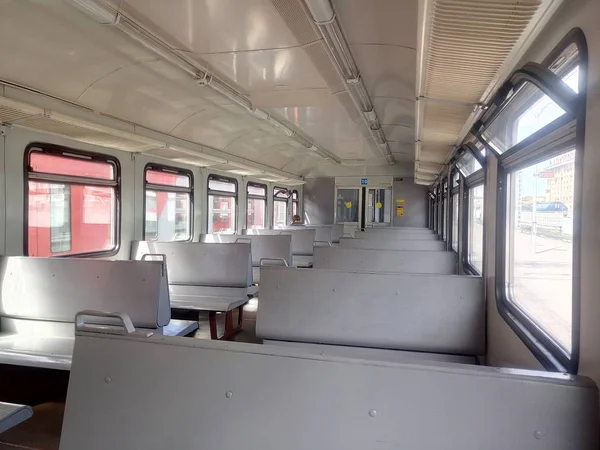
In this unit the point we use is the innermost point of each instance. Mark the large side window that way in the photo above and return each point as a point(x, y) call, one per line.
point(280, 199)
point(72, 202)
point(168, 207)
point(222, 204)
point(538, 136)
point(256, 213)
point(540, 242)
point(475, 229)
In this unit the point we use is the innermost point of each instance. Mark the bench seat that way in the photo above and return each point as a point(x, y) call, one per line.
point(405, 261)
point(392, 244)
point(415, 312)
point(12, 415)
point(231, 395)
point(52, 348)
point(376, 354)
point(212, 277)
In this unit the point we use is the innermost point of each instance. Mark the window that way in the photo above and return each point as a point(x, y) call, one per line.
point(539, 266)
point(475, 230)
point(295, 203)
point(539, 206)
point(72, 206)
point(347, 205)
point(256, 213)
point(280, 199)
point(467, 164)
point(455, 222)
point(527, 112)
point(168, 207)
point(222, 205)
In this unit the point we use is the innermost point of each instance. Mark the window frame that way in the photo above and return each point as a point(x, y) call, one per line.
point(166, 188)
point(75, 154)
point(257, 197)
point(475, 180)
point(546, 350)
point(278, 199)
point(455, 193)
point(209, 192)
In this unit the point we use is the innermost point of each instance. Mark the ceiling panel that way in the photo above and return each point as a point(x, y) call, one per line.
point(214, 26)
point(59, 53)
point(389, 22)
point(153, 94)
point(214, 127)
point(396, 133)
point(388, 71)
point(395, 111)
point(399, 147)
point(280, 69)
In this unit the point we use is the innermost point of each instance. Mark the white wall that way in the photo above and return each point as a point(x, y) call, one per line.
point(12, 178)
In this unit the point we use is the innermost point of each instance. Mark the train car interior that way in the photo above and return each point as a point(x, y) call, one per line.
point(300, 224)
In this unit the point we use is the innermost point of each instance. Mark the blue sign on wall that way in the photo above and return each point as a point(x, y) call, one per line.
point(364, 181)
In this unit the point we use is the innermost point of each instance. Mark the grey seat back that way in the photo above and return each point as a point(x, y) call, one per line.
point(262, 246)
point(302, 239)
point(350, 259)
point(198, 264)
point(391, 236)
point(430, 313)
point(323, 233)
point(55, 289)
point(398, 230)
point(392, 244)
point(230, 395)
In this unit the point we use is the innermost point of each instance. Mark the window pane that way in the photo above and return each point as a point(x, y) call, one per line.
point(60, 218)
point(528, 111)
point(224, 186)
point(468, 164)
point(168, 216)
point(294, 208)
point(540, 243)
point(279, 214)
point(475, 245)
point(347, 205)
point(455, 222)
point(68, 219)
point(256, 217)
point(167, 178)
point(256, 190)
point(221, 214)
point(62, 165)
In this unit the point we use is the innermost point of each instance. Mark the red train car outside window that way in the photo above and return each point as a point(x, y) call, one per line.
point(72, 203)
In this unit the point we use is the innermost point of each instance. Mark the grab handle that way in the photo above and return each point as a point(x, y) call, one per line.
point(285, 263)
point(123, 328)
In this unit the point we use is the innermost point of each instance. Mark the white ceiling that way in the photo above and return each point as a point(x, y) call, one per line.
point(269, 50)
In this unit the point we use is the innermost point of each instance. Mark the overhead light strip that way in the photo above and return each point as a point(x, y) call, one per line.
point(106, 15)
point(327, 22)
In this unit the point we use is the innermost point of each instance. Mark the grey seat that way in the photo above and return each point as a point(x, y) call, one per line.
point(205, 277)
point(40, 297)
point(335, 258)
point(416, 312)
point(233, 395)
